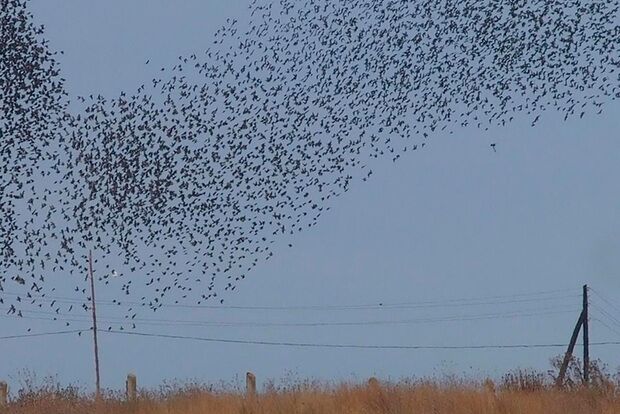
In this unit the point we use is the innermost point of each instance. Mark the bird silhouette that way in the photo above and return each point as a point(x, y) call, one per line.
point(187, 183)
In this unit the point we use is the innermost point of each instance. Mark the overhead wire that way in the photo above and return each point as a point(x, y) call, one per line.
point(540, 311)
point(31, 335)
point(549, 310)
point(608, 315)
point(604, 299)
point(614, 330)
point(350, 346)
point(458, 302)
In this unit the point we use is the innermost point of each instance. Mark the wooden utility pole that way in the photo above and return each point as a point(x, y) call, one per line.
point(586, 338)
point(92, 300)
point(569, 352)
point(582, 322)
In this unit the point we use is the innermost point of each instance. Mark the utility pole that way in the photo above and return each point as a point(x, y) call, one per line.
point(569, 352)
point(582, 322)
point(92, 300)
point(586, 338)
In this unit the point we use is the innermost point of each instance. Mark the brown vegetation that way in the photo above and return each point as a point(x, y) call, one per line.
point(518, 392)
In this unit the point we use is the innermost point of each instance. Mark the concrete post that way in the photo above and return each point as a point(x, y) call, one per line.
point(4, 394)
point(250, 384)
point(131, 387)
point(373, 383)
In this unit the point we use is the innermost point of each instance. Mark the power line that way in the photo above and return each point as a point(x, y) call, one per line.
point(543, 311)
point(43, 334)
point(604, 299)
point(611, 317)
point(458, 302)
point(614, 330)
point(476, 317)
point(350, 346)
point(388, 306)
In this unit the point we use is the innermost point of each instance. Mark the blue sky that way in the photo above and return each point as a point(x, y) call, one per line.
point(455, 220)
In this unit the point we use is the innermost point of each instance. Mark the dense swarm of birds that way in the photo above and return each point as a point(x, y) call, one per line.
point(32, 106)
point(186, 182)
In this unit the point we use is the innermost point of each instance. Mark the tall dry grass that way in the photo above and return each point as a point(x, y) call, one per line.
point(521, 392)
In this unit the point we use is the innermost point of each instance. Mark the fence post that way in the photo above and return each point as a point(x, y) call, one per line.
point(250, 384)
point(4, 394)
point(131, 387)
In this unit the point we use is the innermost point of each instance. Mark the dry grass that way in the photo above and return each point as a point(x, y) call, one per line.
point(510, 396)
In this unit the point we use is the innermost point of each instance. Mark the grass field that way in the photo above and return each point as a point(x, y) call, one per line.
point(520, 392)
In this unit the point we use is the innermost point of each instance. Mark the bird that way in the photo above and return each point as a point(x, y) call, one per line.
point(188, 181)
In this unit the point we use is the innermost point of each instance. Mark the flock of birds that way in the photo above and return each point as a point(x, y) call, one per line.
point(181, 188)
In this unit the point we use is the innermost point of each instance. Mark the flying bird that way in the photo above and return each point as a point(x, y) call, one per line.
point(185, 184)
